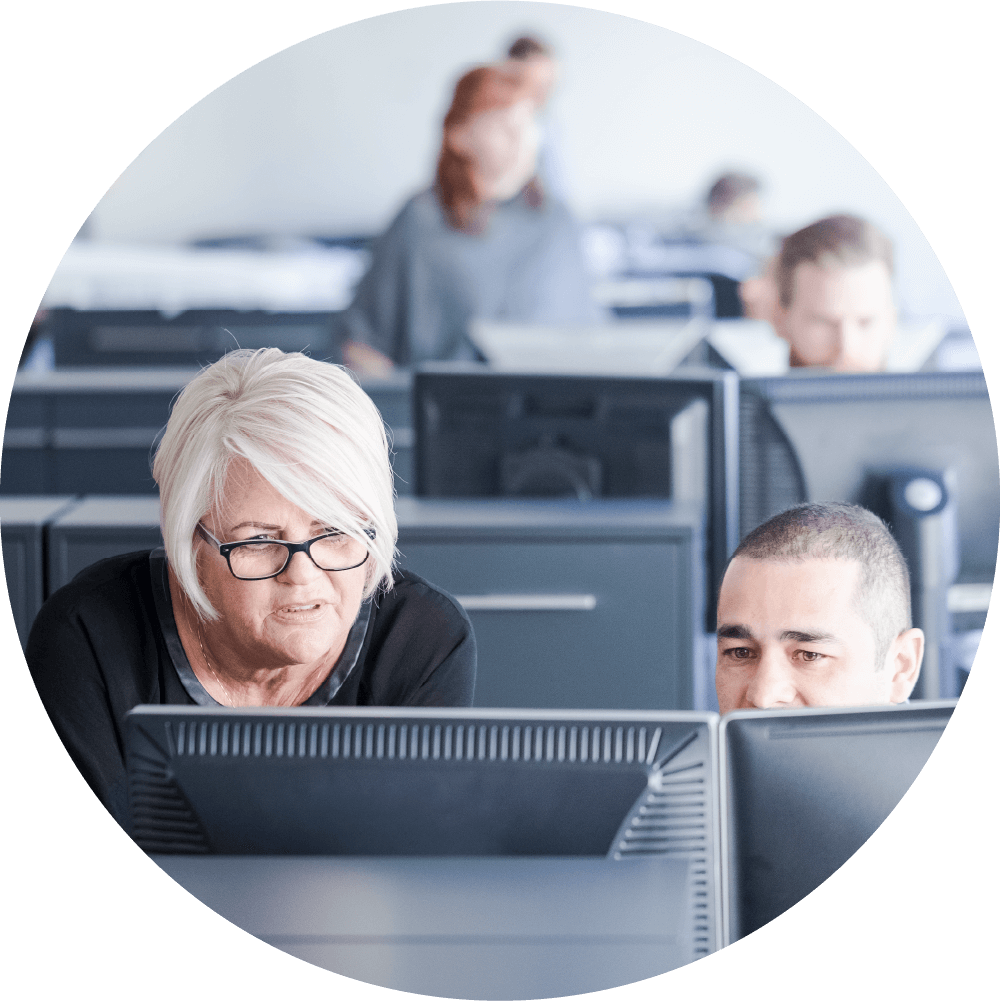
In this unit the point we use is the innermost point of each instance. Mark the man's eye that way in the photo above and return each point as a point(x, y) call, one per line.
point(810, 656)
point(738, 652)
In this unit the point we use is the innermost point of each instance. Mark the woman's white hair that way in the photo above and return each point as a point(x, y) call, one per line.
point(306, 426)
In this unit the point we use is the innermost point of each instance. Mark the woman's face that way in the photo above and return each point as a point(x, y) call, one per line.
point(503, 142)
point(299, 617)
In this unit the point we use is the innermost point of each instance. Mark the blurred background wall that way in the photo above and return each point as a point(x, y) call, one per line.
point(332, 135)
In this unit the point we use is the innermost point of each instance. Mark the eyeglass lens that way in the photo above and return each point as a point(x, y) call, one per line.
point(262, 559)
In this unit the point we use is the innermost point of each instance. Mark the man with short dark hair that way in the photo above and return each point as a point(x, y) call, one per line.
point(834, 289)
point(814, 610)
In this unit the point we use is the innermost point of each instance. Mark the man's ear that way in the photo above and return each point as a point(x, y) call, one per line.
point(906, 654)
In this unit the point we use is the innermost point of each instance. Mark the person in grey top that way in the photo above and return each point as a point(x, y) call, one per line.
point(479, 244)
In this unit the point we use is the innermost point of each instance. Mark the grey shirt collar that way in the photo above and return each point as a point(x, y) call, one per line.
point(323, 695)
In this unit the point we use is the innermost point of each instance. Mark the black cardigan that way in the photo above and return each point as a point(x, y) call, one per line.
point(107, 642)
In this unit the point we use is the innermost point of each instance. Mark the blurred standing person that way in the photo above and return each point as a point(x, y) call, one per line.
point(475, 245)
point(534, 62)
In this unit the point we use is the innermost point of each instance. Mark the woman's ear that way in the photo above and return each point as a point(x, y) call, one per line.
point(906, 654)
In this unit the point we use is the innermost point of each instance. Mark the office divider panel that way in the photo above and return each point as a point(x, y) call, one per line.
point(99, 527)
point(22, 526)
point(393, 397)
point(93, 431)
point(102, 338)
point(90, 431)
point(596, 605)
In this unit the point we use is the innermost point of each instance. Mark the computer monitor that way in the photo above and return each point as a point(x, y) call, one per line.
point(821, 437)
point(919, 450)
point(489, 434)
point(803, 789)
point(194, 337)
point(423, 782)
point(645, 347)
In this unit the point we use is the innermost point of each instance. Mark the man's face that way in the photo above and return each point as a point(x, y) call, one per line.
point(789, 635)
point(842, 317)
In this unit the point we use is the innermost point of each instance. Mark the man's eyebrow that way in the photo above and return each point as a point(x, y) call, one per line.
point(734, 633)
point(797, 636)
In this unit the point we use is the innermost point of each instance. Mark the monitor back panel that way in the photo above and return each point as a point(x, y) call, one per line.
point(629, 797)
point(817, 438)
point(804, 789)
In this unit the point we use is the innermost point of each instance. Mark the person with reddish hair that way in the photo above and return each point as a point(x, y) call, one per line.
point(478, 244)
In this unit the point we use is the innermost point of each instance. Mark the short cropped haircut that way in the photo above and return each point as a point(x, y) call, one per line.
point(843, 240)
point(310, 431)
point(843, 532)
point(527, 46)
point(728, 188)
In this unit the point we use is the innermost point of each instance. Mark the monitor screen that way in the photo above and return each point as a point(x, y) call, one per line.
point(804, 789)
point(821, 437)
point(488, 434)
point(422, 782)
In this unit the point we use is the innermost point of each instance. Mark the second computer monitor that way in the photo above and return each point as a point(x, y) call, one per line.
point(488, 434)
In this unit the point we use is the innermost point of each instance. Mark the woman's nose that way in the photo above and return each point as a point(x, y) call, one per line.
point(300, 569)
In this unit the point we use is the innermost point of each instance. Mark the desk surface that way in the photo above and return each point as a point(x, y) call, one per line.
point(461, 927)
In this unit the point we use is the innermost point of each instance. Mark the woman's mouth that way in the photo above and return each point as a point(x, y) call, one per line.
point(301, 612)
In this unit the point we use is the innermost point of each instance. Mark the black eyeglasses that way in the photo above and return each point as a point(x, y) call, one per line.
point(259, 559)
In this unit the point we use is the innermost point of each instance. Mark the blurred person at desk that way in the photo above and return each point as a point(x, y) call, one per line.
point(733, 218)
point(829, 295)
point(276, 584)
point(480, 244)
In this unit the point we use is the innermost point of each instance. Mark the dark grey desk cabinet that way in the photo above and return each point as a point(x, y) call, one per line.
point(22, 527)
point(99, 527)
point(575, 606)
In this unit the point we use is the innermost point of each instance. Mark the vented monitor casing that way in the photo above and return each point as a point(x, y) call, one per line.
point(422, 782)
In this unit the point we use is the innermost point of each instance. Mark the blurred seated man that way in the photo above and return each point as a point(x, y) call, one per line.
point(829, 295)
point(733, 217)
point(814, 610)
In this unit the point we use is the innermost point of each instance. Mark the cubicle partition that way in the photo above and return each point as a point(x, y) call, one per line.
point(23, 522)
point(93, 431)
point(86, 431)
point(574, 606)
point(194, 337)
point(97, 528)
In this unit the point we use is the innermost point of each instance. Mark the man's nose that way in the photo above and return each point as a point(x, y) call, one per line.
point(772, 685)
point(850, 339)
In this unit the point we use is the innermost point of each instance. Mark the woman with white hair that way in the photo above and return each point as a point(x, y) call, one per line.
point(276, 584)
